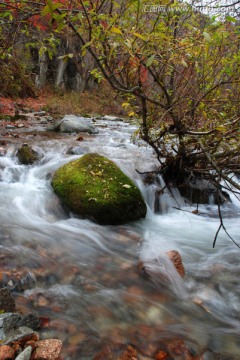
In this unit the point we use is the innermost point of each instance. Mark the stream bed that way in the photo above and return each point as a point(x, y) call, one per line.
point(83, 278)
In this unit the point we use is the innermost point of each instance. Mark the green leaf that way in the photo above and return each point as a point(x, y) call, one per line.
point(86, 45)
point(116, 30)
point(125, 104)
point(184, 63)
point(140, 36)
point(45, 10)
point(150, 61)
point(50, 5)
point(42, 50)
point(231, 19)
point(207, 36)
point(128, 43)
point(221, 128)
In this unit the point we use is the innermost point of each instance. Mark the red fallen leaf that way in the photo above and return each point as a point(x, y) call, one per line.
point(80, 138)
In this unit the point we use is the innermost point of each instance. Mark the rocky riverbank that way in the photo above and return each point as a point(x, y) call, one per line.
point(18, 335)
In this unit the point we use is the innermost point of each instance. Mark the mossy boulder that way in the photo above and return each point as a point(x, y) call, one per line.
point(94, 187)
point(26, 155)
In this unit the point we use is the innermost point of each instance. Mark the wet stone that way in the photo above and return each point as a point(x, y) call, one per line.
point(75, 150)
point(17, 280)
point(8, 321)
point(48, 349)
point(7, 303)
point(30, 320)
point(26, 155)
point(6, 353)
point(73, 124)
point(2, 151)
point(25, 354)
point(21, 335)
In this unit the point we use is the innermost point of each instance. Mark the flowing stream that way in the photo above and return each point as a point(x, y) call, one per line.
point(83, 278)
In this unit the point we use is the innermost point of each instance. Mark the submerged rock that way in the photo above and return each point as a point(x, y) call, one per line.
point(201, 191)
point(2, 151)
point(94, 187)
point(75, 150)
point(14, 327)
point(26, 155)
point(7, 303)
point(73, 124)
point(21, 335)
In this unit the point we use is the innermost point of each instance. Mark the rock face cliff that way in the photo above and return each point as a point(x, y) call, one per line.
point(66, 69)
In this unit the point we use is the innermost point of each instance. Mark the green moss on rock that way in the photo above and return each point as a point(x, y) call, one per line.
point(26, 155)
point(94, 187)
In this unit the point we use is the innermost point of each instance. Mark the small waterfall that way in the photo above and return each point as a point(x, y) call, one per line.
point(160, 198)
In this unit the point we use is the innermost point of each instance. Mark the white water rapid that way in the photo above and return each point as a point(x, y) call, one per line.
point(84, 277)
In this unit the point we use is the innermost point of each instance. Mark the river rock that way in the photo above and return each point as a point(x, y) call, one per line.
point(199, 191)
point(21, 335)
point(48, 349)
point(25, 354)
point(73, 124)
point(7, 303)
point(30, 320)
point(2, 151)
point(6, 353)
point(75, 150)
point(176, 259)
point(94, 187)
point(7, 322)
point(26, 155)
point(14, 327)
point(17, 280)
